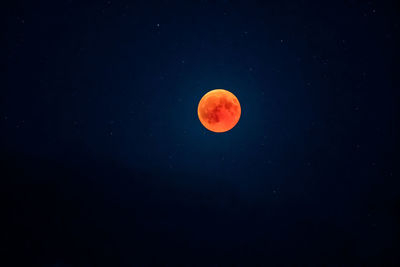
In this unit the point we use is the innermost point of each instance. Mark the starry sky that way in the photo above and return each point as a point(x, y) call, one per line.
point(104, 161)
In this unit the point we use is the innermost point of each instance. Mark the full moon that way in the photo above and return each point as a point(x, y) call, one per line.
point(219, 110)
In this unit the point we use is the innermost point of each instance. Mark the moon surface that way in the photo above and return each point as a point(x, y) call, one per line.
point(219, 110)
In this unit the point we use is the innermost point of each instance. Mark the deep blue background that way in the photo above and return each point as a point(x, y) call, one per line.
point(104, 161)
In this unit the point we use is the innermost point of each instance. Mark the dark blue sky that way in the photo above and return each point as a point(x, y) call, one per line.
point(106, 163)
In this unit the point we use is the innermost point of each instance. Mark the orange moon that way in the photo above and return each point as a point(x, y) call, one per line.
point(219, 110)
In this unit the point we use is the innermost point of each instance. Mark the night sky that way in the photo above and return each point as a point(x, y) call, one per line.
point(104, 161)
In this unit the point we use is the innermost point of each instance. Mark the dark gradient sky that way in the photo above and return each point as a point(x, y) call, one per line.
point(105, 163)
